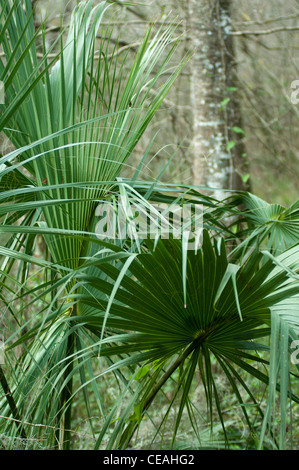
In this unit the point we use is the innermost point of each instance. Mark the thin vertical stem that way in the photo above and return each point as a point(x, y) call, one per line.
point(12, 404)
point(65, 416)
point(132, 427)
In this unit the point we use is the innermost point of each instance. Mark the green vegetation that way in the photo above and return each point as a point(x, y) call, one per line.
point(100, 334)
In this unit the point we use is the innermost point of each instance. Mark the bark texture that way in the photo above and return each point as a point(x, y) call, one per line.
point(217, 148)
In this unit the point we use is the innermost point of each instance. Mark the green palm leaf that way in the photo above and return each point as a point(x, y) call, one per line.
point(269, 225)
point(151, 308)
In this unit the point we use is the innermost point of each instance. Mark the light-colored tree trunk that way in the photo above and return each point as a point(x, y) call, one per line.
point(217, 150)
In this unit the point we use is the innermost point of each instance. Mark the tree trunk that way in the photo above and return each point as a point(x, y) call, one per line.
point(217, 148)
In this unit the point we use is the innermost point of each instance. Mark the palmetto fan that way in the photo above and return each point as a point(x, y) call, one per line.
point(181, 316)
point(85, 116)
point(272, 226)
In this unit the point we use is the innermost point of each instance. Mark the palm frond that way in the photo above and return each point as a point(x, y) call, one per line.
point(160, 326)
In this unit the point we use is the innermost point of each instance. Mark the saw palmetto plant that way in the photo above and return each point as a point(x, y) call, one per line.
point(77, 309)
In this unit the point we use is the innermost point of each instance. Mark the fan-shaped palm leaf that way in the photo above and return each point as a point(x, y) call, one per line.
point(227, 309)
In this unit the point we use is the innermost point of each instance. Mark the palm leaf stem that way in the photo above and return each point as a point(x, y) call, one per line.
point(132, 427)
point(11, 402)
point(66, 398)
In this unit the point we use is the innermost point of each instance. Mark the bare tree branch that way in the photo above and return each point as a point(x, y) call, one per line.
point(268, 20)
point(264, 32)
point(131, 10)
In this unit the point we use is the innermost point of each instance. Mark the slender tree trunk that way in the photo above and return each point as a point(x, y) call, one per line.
point(217, 148)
